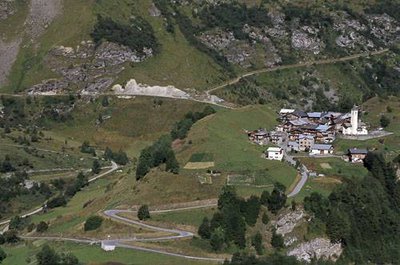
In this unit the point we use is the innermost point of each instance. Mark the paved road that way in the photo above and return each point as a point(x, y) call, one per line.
point(123, 242)
point(302, 169)
point(300, 184)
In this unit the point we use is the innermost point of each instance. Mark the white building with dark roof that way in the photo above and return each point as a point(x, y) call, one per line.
point(274, 153)
point(321, 149)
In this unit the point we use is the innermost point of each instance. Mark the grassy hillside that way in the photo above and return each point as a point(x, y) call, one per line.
point(223, 136)
point(178, 63)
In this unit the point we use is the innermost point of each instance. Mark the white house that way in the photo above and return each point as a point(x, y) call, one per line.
point(321, 149)
point(274, 153)
point(107, 246)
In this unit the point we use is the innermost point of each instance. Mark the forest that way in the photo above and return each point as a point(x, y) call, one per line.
point(364, 215)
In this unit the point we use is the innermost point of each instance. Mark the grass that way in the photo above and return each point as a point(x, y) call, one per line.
point(93, 255)
point(339, 168)
point(222, 135)
point(133, 124)
point(192, 217)
point(201, 157)
point(13, 25)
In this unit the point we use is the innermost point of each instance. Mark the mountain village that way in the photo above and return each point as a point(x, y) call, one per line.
point(312, 133)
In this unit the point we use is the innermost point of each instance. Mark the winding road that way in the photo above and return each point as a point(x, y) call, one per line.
point(124, 242)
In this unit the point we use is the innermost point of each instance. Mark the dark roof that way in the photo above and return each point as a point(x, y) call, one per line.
point(299, 113)
point(321, 147)
point(358, 151)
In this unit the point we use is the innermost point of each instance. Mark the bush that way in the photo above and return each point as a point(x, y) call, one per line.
point(277, 241)
point(143, 212)
point(384, 121)
point(265, 219)
point(96, 167)
point(204, 229)
point(42, 227)
point(93, 223)
point(257, 243)
point(3, 255)
point(57, 202)
point(2, 239)
point(11, 236)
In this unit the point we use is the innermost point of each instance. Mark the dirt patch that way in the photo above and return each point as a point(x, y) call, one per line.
point(8, 55)
point(327, 180)
point(198, 165)
point(325, 166)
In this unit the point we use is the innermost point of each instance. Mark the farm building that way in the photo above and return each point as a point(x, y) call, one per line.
point(357, 155)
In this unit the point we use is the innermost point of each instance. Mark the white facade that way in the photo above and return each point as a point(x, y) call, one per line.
point(354, 128)
point(275, 153)
point(106, 246)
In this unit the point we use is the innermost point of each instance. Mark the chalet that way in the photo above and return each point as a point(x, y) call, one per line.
point(305, 142)
point(357, 155)
point(259, 136)
point(277, 137)
point(321, 149)
point(274, 153)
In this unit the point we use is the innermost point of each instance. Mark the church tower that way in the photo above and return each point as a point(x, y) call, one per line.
point(354, 120)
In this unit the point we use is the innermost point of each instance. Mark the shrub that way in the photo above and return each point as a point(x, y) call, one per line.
point(93, 223)
point(42, 227)
point(11, 236)
point(277, 241)
point(57, 202)
point(143, 212)
point(384, 121)
point(3, 255)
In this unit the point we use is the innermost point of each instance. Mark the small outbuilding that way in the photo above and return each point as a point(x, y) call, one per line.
point(357, 155)
point(107, 246)
point(321, 149)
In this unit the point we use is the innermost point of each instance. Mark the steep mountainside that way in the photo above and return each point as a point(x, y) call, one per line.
point(70, 45)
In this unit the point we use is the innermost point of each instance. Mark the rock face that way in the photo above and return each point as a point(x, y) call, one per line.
point(319, 248)
point(88, 67)
point(287, 222)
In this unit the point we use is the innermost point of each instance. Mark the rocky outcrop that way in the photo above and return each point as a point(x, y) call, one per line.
point(319, 248)
point(287, 222)
point(88, 67)
point(306, 40)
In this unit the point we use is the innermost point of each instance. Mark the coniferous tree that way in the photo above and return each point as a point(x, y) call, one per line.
point(204, 229)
